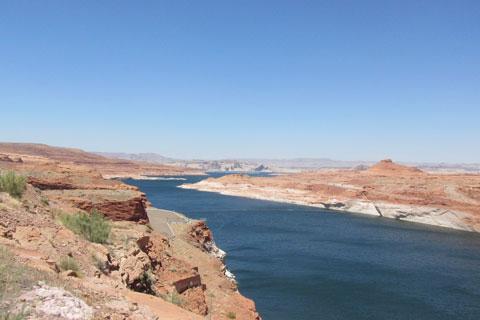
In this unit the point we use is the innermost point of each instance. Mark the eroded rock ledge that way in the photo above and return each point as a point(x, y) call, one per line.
point(85, 188)
point(201, 235)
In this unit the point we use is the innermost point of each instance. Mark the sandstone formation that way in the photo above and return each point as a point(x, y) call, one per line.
point(222, 293)
point(386, 189)
point(200, 234)
point(7, 158)
point(84, 188)
point(137, 274)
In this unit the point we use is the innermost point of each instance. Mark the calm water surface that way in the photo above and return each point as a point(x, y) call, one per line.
point(305, 263)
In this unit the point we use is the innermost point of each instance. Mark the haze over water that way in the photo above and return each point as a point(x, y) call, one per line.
point(305, 263)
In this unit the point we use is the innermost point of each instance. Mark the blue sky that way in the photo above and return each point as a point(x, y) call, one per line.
point(218, 79)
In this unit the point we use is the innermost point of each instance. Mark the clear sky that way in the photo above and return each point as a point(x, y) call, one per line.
point(217, 79)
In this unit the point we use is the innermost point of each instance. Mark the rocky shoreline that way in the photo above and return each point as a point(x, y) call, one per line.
point(387, 190)
point(426, 215)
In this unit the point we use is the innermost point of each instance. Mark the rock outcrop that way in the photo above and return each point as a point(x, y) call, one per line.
point(117, 205)
point(133, 269)
point(149, 267)
point(388, 167)
point(202, 235)
point(155, 246)
point(7, 158)
point(84, 188)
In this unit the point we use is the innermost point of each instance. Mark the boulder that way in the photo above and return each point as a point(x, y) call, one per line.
point(154, 246)
point(133, 270)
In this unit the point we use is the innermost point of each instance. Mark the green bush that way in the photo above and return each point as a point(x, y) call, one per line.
point(13, 184)
point(9, 273)
point(68, 263)
point(93, 227)
point(148, 282)
point(231, 315)
point(12, 275)
point(174, 298)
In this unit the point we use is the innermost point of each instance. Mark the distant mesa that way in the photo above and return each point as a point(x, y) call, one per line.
point(261, 168)
point(387, 166)
point(361, 167)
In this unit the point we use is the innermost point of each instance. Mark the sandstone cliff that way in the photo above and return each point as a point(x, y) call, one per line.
point(137, 274)
point(83, 187)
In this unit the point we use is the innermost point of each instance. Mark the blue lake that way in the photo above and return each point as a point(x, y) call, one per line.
point(304, 263)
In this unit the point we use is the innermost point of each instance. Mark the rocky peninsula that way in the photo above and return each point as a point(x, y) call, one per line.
point(387, 190)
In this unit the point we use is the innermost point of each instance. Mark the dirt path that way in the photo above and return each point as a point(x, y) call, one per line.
point(160, 220)
point(165, 310)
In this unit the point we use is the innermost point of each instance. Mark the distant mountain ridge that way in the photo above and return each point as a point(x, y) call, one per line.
point(147, 157)
point(309, 163)
point(283, 165)
point(228, 165)
point(108, 167)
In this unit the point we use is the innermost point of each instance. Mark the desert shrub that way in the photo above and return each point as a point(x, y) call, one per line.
point(93, 227)
point(148, 282)
point(12, 184)
point(55, 213)
point(69, 263)
point(174, 298)
point(6, 262)
point(12, 315)
point(231, 315)
point(101, 265)
point(11, 272)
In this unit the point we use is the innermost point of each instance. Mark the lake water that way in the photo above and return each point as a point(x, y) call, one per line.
point(298, 262)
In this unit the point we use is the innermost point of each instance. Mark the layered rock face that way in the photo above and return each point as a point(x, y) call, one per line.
point(82, 187)
point(117, 205)
point(202, 235)
point(386, 189)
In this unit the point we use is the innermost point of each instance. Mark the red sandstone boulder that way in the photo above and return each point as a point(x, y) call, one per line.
point(155, 247)
point(133, 269)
